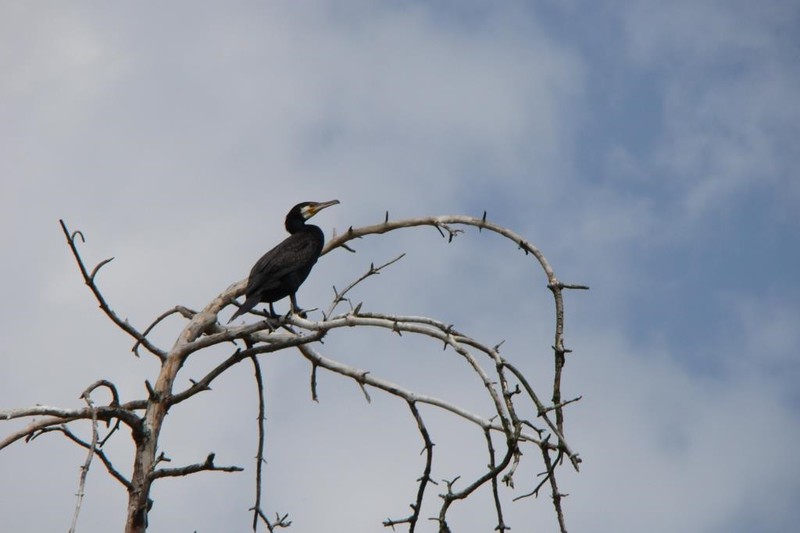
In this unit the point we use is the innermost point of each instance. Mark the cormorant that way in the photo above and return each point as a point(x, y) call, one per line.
point(281, 271)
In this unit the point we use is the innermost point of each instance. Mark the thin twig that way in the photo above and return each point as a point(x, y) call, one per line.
point(85, 468)
point(207, 466)
point(260, 448)
point(557, 496)
point(238, 356)
point(406, 394)
point(423, 481)
point(89, 280)
point(373, 270)
point(491, 473)
point(501, 526)
point(98, 452)
point(542, 412)
point(185, 312)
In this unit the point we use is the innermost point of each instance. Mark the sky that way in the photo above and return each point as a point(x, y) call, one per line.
point(647, 148)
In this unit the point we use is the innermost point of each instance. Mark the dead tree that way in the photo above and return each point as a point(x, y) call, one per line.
point(520, 416)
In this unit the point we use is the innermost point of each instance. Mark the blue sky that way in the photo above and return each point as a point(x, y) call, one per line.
point(648, 148)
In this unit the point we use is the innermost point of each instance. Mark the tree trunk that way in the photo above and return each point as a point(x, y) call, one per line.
point(144, 465)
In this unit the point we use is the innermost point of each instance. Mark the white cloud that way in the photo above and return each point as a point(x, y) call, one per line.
point(668, 439)
point(177, 142)
point(729, 101)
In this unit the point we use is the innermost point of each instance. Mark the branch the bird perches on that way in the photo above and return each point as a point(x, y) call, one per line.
point(519, 416)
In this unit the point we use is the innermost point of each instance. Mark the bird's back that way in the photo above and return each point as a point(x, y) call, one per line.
point(281, 270)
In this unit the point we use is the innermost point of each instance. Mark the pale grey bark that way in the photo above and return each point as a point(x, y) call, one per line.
point(501, 381)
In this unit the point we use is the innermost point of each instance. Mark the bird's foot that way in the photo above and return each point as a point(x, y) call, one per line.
point(271, 314)
point(303, 313)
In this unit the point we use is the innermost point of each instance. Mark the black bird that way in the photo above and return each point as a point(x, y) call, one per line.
point(281, 271)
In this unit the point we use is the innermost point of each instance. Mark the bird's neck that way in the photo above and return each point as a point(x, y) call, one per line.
point(298, 227)
point(293, 226)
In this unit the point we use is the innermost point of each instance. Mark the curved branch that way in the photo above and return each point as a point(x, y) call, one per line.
point(57, 415)
point(445, 222)
point(106, 461)
point(440, 222)
point(239, 356)
point(542, 413)
point(89, 280)
point(203, 330)
point(185, 312)
point(362, 376)
point(494, 470)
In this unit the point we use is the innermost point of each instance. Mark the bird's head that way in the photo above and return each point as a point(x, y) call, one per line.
point(303, 211)
point(309, 209)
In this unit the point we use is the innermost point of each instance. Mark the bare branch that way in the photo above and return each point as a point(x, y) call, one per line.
point(554, 284)
point(442, 222)
point(504, 391)
point(431, 328)
point(423, 480)
point(314, 395)
point(492, 473)
point(573, 286)
point(542, 413)
point(408, 395)
point(373, 270)
point(90, 455)
point(103, 383)
point(501, 526)
point(56, 415)
point(100, 265)
point(557, 496)
point(260, 449)
point(185, 312)
point(563, 404)
point(207, 466)
point(98, 452)
point(240, 355)
point(280, 521)
point(89, 280)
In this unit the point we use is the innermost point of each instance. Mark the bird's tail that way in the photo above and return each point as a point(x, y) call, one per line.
point(248, 304)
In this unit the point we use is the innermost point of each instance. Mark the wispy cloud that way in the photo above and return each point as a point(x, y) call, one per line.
point(647, 149)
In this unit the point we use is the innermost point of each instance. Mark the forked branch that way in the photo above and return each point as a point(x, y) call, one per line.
point(88, 278)
point(508, 427)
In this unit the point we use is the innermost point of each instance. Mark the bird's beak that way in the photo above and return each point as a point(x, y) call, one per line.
point(319, 206)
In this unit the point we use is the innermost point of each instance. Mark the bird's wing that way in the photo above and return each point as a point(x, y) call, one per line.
point(293, 253)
